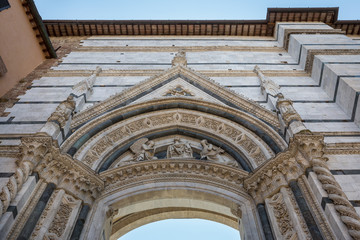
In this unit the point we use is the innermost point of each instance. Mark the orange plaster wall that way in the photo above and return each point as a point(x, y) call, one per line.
point(19, 47)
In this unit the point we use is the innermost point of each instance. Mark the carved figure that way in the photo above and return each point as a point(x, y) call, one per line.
point(143, 149)
point(63, 111)
point(266, 84)
point(210, 152)
point(179, 59)
point(179, 149)
point(178, 91)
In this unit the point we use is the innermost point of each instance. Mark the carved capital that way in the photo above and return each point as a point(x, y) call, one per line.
point(71, 175)
point(34, 149)
point(276, 173)
point(310, 146)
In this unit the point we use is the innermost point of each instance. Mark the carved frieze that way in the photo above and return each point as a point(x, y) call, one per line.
point(287, 220)
point(101, 144)
point(173, 168)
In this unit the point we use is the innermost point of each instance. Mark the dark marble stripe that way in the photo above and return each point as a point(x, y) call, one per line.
point(14, 210)
point(265, 222)
point(79, 225)
point(6, 174)
point(36, 213)
point(305, 211)
point(346, 172)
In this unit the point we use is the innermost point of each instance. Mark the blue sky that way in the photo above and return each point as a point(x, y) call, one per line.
point(182, 9)
point(183, 229)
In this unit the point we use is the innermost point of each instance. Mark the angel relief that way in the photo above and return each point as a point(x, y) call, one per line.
point(143, 150)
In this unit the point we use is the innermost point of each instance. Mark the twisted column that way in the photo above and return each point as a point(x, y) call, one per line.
point(342, 205)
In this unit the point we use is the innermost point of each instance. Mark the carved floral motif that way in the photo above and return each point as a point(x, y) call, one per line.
point(282, 216)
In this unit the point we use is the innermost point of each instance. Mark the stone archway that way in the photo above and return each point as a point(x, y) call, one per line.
point(154, 190)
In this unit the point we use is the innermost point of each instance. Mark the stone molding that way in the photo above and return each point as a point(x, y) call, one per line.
point(19, 222)
point(342, 148)
point(316, 208)
point(288, 222)
point(288, 32)
point(183, 170)
point(312, 52)
point(244, 103)
point(147, 72)
point(177, 49)
point(32, 150)
point(58, 217)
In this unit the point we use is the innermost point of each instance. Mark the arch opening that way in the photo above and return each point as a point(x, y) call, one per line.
point(189, 228)
point(146, 199)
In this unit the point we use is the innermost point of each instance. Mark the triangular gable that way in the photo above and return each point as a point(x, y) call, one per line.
point(196, 84)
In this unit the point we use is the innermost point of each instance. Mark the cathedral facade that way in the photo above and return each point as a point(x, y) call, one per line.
point(253, 124)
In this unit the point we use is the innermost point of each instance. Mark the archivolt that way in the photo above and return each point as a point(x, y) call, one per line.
point(245, 146)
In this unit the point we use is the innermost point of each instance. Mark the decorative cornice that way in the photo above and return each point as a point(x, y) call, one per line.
point(72, 175)
point(39, 28)
point(177, 28)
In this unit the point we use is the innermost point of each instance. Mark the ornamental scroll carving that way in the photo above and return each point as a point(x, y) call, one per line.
point(179, 59)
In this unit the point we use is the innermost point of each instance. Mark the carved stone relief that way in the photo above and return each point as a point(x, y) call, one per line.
point(179, 149)
point(178, 91)
point(143, 150)
point(100, 146)
point(58, 217)
point(63, 111)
